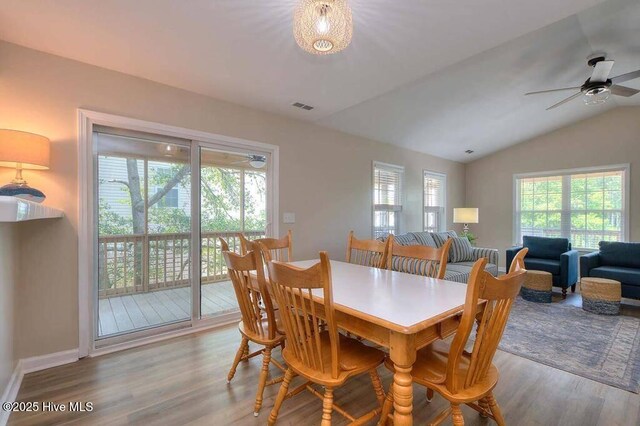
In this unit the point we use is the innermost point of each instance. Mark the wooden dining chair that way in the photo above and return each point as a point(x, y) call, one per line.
point(280, 249)
point(367, 252)
point(419, 260)
point(224, 246)
point(258, 323)
point(463, 377)
point(318, 353)
point(518, 260)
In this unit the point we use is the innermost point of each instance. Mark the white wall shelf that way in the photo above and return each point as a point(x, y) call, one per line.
point(14, 209)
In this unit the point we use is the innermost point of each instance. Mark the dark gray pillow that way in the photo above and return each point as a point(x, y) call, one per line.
point(461, 250)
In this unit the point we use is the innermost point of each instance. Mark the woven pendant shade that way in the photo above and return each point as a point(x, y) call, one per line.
point(323, 27)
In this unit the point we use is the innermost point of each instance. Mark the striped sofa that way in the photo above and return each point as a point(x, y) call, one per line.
point(458, 271)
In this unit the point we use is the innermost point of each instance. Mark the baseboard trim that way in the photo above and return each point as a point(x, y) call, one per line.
point(11, 391)
point(31, 365)
point(38, 363)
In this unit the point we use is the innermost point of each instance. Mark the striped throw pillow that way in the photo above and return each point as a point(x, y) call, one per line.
point(406, 239)
point(461, 250)
point(441, 237)
point(424, 239)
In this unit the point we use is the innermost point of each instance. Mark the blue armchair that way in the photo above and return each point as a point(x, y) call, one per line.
point(616, 261)
point(553, 255)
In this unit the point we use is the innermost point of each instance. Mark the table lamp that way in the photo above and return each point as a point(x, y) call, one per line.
point(465, 215)
point(22, 150)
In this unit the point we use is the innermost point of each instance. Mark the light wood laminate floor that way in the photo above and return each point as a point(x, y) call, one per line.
point(183, 382)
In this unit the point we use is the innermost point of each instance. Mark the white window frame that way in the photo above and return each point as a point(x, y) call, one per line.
point(443, 177)
point(397, 208)
point(566, 197)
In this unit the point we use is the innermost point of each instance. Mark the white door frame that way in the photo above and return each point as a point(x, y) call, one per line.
point(87, 217)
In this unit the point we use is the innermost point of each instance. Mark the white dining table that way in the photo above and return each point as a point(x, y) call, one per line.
point(399, 311)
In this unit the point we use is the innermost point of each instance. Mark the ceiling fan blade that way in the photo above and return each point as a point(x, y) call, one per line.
point(601, 71)
point(623, 90)
point(564, 101)
point(625, 77)
point(552, 90)
point(240, 161)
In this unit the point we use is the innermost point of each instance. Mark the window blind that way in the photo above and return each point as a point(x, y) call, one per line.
point(387, 199)
point(434, 202)
point(584, 206)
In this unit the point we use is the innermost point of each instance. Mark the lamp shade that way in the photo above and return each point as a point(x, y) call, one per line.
point(28, 149)
point(465, 215)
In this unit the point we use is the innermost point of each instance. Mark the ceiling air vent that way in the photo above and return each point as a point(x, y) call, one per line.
point(302, 106)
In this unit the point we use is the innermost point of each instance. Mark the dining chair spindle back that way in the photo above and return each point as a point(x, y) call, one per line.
point(419, 260)
point(367, 252)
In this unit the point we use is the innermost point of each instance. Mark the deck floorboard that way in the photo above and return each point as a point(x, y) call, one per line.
point(120, 314)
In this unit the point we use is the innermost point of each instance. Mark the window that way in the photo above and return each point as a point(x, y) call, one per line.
point(435, 188)
point(587, 206)
point(387, 199)
point(170, 199)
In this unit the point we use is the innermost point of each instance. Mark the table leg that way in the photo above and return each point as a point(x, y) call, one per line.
point(403, 354)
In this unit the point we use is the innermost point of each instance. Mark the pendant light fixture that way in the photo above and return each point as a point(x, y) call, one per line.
point(323, 27)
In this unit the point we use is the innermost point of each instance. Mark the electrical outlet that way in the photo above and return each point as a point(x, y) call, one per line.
point(289, 217)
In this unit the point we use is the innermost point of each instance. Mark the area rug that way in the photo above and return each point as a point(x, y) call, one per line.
point(602, 348)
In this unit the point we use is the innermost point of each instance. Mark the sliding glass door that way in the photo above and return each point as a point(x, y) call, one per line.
point(144, 234)
point(233, 200)
point(161, 207)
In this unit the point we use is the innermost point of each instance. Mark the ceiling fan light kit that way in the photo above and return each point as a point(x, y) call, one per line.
point(597, 95)
point(599, 87)
point(257, 161)
point(254, 160)
point(323, 27)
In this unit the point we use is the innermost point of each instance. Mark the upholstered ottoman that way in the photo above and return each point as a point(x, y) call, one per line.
point(600, 295)
point(537, 286)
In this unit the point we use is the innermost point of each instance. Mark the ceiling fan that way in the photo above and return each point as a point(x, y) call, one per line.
point(255, 161)
point(599, 87)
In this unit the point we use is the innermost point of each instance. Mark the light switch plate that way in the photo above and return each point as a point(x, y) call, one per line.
point(289, 218)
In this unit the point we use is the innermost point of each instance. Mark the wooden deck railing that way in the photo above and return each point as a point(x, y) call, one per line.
point(130, 264)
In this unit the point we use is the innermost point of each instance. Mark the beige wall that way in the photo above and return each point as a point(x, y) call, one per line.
point(8, 283)
point(325, 175)
point(609, 138)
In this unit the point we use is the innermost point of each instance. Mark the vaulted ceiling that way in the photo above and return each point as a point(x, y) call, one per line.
point(432, 75)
